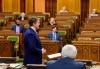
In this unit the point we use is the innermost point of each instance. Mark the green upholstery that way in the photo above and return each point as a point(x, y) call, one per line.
point(10, 17)
point(16, 39)
point(70, 21)
point(3, 21)
point(74, 39)
point(13, 38)
point(18, 14)
point(47, 14)
point(62, 32)
point(26, 26)
point(67, 26)
point(74, 17)
point(41, 17)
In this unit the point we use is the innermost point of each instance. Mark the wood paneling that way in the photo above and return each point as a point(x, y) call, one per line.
point(71, 5)
point(5, 5)
point(94, 4)
point(22, 5)
point(10, 5)
point(0, 5)
point(29, 5)
point(39, 5)
point(15, 5)
point(33, 5)
point(84, 9)
point(51, 7)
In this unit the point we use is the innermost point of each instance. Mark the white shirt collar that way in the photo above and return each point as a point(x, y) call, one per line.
point(34, 30)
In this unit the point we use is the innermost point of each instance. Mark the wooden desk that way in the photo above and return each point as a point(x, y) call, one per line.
point(51, 47)
point(7, 48)
point(89, 50)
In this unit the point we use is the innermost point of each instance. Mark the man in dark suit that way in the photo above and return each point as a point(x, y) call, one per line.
point(54, 35)
point(69, 53)
point(18, 28)
point(32, 46)
point(52, 21)
point(22, 17)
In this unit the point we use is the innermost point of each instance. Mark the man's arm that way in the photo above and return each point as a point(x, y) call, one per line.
point(33, 46)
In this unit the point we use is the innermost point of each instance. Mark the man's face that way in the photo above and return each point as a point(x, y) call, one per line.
point(23, 15)
point(54, 29)
point(52, 20)
point(17, 22)
point(37, 24)
point(64, 8)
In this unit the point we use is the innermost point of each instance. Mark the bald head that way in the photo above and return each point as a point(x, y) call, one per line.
point(22, 14)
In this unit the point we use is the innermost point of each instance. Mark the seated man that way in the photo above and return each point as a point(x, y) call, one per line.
point(52, 21)
point(18, 28)
point(54, 35)
point(22, 17)
point(63, 9)
point(69, 53)
point(93, 13)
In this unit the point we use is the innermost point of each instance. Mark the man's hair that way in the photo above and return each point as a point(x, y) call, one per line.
point(51, 18)
point(55, 27)
point(16, 21)
point(69, 51)
point(33, 20)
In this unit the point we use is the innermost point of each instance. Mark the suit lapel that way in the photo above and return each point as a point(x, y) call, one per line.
point(34, 33)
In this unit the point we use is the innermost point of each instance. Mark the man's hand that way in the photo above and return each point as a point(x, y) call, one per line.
point(43, 50)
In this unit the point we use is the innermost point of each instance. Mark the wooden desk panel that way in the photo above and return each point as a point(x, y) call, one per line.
point(89, 50)
point(7, 48)
point(51, 47)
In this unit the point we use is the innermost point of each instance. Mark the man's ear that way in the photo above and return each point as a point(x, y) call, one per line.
point(33, 24)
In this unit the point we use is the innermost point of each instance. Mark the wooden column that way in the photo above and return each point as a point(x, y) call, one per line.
point(51, 7)
point(0, 5)
point(29, 6)
point(22, 5)
point(84, 9)
point(33, 5)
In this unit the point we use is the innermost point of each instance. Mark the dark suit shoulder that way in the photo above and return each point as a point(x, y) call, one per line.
point(14, 26)
point(79, 63)
point(58, 34)
point(29, 31)
point(22, 26)
point(51, 62)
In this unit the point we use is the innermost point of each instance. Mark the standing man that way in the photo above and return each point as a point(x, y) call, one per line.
point(32, 46)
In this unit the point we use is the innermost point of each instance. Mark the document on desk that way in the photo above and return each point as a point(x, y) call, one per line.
point(16, 65)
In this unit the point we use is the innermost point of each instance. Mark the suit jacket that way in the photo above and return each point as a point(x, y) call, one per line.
point(20, 18)
point(32, 48)
point(57, 36)
point(65, 63)
point(21, 28)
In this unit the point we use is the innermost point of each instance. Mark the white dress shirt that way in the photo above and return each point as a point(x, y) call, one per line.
point(17, 29)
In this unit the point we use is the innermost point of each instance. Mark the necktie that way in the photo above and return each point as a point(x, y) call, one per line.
point(22, 18)
point(17, 30)
point(54, 36)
